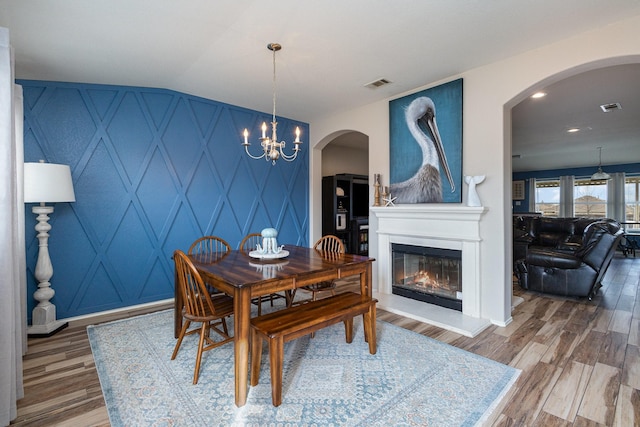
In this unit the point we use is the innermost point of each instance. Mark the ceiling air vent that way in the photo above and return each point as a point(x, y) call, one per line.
point(610, 107)
point(376, 84)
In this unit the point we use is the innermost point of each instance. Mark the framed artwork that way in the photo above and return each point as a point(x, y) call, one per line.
point(517, 190)
point(425, 134)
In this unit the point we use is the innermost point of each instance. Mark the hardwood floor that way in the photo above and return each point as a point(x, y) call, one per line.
point(580, 361)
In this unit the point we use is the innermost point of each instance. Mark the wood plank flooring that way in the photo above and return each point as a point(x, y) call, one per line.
point(580, 361)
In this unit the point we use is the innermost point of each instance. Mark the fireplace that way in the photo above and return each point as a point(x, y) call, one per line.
point(447, 228)
point(427, 274)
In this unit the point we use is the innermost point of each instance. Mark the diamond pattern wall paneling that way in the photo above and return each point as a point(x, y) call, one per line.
point(153, 170)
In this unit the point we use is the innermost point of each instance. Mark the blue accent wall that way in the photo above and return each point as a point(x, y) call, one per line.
point(153, 170)
point(631, 168)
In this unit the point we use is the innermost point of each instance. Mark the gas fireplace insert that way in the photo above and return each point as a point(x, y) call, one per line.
point(427, 274)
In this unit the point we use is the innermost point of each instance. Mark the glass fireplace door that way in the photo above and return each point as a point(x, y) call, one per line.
point(428, 274)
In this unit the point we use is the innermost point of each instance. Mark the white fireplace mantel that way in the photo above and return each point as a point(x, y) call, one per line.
point(441, 226)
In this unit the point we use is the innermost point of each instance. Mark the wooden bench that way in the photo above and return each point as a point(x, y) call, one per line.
point(294, 322)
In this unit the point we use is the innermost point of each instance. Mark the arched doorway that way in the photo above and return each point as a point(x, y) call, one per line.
point(341, 152)
point(580, 78)
point(346, 153)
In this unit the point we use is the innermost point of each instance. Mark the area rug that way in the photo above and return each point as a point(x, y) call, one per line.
point(413, 380)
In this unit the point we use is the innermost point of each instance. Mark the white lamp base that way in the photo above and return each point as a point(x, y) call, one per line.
point(44, 322)
point(43, 319)
point(45, 331)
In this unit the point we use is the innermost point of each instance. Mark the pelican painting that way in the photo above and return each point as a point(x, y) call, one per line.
point(428, 166)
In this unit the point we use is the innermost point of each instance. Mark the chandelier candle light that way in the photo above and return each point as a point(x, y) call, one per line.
point(272, 149)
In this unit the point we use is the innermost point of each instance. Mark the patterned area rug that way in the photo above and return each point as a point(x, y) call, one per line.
point(413, 380)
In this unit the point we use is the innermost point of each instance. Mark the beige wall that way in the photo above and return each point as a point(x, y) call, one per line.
point(489, 92)
point(338, 159)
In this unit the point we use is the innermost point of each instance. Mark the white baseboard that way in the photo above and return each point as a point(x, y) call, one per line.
point(120, 310)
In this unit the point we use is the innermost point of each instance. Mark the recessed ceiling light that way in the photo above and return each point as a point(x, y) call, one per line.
point(572, 130)
point(538, 95)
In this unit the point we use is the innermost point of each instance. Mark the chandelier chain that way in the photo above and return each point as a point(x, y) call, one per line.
point(274, 87)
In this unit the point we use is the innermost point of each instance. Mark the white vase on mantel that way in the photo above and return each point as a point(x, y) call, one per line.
point(472, 196)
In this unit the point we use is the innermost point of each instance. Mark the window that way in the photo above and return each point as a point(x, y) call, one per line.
point(632, 200)
point(590, 198)
point(548, 197)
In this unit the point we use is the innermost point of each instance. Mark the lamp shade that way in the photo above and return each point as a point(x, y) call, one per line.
point(48, 183)
point(600, 175)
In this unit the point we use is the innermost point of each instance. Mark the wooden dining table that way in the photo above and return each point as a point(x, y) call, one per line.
point(244, 278)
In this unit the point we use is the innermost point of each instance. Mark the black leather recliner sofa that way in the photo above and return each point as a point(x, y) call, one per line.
point(563, 234)
point(563, 265)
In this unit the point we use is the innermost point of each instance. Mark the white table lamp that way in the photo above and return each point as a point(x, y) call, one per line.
point(45, 183)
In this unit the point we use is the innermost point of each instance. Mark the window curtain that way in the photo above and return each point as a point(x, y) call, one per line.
point(532, 194)
point(566, 196)
point(615, 197)
point(12, 263)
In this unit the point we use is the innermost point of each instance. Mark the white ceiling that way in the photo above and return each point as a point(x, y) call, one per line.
point(539, 126)
point(331, 48)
